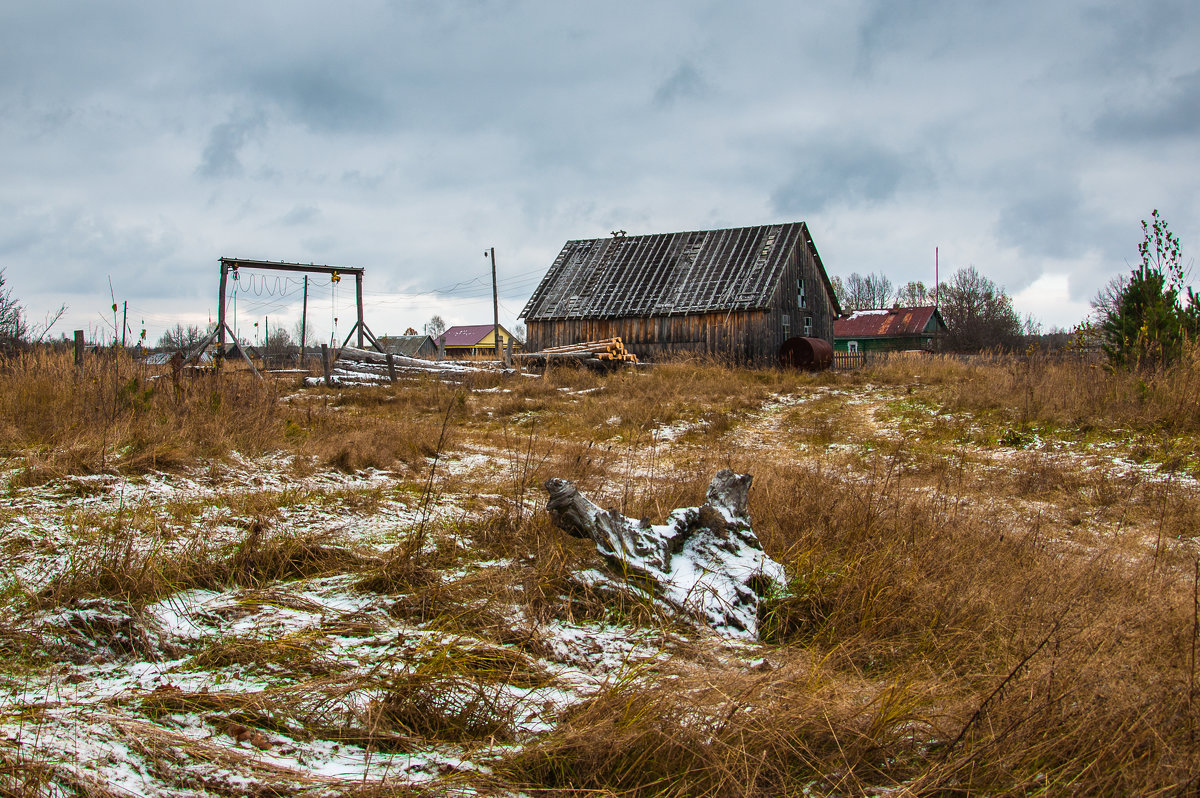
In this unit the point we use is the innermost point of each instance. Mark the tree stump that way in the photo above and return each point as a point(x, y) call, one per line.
point(705, 562)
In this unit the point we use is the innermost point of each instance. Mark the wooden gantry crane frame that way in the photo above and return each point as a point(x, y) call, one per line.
point(235, 264)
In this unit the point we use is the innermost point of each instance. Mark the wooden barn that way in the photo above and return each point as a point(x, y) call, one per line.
point(736, 294)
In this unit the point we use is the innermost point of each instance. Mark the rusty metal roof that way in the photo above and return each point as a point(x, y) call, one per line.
point(888, 322)
point(669, 273)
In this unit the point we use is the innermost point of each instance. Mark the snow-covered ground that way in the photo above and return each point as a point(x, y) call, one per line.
point(222, 690)
point(307, 681)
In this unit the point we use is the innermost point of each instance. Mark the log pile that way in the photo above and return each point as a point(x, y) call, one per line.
point(353, 366)
point(604, 354)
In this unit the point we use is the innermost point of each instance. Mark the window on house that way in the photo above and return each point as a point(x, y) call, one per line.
point(801, 299)
point(852, 346)
point(807, 326)
point(786, 323)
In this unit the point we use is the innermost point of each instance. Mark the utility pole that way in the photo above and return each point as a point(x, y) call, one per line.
point(937, 335)
point(495, 304)
point(124, 321)
point(303, 320)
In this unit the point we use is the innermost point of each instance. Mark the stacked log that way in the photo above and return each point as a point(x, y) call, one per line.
point(604, 354)
point(364, 367)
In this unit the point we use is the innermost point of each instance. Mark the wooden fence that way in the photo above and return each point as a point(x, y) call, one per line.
point(844, 361)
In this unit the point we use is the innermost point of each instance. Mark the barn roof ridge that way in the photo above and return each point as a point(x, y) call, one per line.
point(654, 274)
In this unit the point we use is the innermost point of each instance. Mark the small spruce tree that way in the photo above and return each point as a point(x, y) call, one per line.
point(1148, 322)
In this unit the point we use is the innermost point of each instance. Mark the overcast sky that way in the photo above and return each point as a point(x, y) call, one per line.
point(140, 142)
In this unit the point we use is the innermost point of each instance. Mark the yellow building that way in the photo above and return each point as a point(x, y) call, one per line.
point(474, 339)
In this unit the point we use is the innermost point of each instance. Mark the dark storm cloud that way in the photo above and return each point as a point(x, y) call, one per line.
point(888, 27)
point(327, 97)
point(1048, 222)
point(221, 156)
point(1173, 111)
point(684, 83)
point(850, 174)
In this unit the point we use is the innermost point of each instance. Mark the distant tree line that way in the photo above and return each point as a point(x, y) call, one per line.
point(978, 313)
point(16, 332)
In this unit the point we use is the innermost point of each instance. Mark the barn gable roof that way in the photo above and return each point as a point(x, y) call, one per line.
point(670, 273)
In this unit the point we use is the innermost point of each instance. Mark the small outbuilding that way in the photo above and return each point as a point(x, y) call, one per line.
point(889, 330)
point(737, 293)
point(409, 345)
point(473, 339)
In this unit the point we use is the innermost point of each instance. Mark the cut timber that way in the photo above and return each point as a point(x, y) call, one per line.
point(705, 562)
point(362, 367)
point(610, 350)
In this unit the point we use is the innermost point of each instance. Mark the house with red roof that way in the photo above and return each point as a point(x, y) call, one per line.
point(888, 330)
point(473, 339)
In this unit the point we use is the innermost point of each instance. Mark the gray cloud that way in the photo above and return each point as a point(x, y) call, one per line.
point(829, 174)
point(327, 97)
point(221, 156)
point(79, 249)
point(408, 136)
point(1046, 223)
point(1174, 112)
point(301, 215)
point(890, 27)
point(685, 82)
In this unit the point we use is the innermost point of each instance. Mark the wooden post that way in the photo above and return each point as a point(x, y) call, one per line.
point(508, 353)
point(441, 347)
point(325, 362)
point(495, 304)
point(79, 349)
point(391, 363)
point(358, 296)
point(303, 321)
point(221, 316)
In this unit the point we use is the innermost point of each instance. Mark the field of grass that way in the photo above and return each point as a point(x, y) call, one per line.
point(239, 587)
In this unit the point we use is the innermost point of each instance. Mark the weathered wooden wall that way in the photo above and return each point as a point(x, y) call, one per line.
point(741, 337)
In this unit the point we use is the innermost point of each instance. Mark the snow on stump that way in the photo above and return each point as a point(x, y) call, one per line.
point(704, 562)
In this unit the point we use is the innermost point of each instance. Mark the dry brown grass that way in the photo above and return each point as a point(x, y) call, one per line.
point(1067, 391)
point(922, 648)
point(116, 414)
point(965, 615)
point(110, 560)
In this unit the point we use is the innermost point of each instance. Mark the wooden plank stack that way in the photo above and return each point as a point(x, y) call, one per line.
point(604, 354)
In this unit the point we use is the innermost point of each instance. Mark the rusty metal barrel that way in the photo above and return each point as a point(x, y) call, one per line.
point(811, 354)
